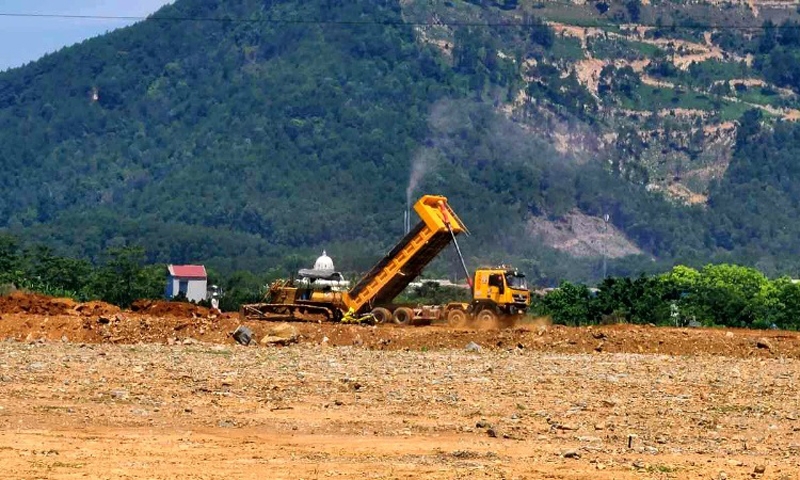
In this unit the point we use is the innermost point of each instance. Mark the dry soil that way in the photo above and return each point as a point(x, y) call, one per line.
point(121, 394)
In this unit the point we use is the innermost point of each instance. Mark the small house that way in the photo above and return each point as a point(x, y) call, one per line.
point(189, 281)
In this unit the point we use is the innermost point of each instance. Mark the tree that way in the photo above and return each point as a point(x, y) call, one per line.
point(431, 293)
point(789, 33)
point(615, 298)
point(541, 33)
point(642, 300)
point(51, 273)
point(9, 260)
point(122, 279)
point(509, 4)
point(634, 8)
point(679, 290)
point(242, 287)
point(749, 126)
point(623, 81)
point(778, 304)
point(570, 304)
point(769, 37)
point(727, 292)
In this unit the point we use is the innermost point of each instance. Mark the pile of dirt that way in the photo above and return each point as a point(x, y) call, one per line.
point(158, 308)
point(34, 304)
point(130, 328)
point(35, 317)
point(96, 308)
point(637, 339)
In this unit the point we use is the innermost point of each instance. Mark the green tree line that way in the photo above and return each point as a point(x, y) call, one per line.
point(715, 295)
point(121, 276)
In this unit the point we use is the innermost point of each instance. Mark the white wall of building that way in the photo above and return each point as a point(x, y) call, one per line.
point(196, 288)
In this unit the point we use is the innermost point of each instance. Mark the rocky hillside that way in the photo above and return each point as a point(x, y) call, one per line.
point(666, 80)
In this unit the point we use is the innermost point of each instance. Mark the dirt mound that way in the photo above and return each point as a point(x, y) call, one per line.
point(159, 308)
point(34, 304)
point(95, 308)
point(36, 317)
point(130, 328)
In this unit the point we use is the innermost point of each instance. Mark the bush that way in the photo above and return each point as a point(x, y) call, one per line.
point(724, 295)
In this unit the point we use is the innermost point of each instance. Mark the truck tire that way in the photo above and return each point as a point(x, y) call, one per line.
point(403, 316)
point(486, 316)
point(382, 315)
point(456, 317)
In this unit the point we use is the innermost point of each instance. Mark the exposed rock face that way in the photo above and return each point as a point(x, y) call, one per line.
point(583, 236)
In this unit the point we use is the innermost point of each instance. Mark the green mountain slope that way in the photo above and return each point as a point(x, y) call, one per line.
point(265, 129)
point(244, 132)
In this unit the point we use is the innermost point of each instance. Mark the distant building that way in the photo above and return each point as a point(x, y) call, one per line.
point(189, 280)
point(438, 281)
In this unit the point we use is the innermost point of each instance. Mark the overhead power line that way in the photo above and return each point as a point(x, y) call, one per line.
point(510, 24)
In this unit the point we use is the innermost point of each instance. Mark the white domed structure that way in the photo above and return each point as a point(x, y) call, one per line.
point(324, 263)
point(323, 275)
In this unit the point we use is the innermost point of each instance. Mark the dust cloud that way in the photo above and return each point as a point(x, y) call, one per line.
point(425, 158)
point(421, 165)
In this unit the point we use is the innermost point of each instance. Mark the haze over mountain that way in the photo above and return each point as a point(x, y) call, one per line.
point(244, 133)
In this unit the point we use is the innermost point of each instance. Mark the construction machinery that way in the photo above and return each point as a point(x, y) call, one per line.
point(499, 292)
point(496, 292)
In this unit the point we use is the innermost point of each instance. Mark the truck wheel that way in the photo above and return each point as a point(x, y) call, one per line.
point(382, 315)
point(456, 317)
point(403, 316)
point(486, 316)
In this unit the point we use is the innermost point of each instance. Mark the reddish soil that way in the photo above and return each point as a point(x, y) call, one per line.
point(94, 392)
point(84, 324)
point(175, 309)
point(34, 304)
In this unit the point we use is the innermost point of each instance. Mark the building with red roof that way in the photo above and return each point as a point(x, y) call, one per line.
point(190, 281)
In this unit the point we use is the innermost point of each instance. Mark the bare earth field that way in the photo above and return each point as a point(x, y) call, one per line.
point(138, 396)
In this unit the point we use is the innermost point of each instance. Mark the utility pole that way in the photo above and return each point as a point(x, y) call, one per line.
point(605, 246)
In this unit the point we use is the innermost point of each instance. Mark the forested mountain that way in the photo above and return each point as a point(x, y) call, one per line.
point(252, 134)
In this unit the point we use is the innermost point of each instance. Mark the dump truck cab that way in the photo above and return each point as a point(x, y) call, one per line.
point(502, 289)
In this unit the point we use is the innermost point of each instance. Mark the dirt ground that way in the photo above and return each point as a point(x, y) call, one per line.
point(121, 394)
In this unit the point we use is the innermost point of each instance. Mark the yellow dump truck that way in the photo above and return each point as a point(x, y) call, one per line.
point(496, 291)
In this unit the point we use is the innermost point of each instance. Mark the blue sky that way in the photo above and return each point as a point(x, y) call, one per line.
point(23, 40)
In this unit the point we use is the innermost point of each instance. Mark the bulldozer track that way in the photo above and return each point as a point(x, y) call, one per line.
point(284, 312)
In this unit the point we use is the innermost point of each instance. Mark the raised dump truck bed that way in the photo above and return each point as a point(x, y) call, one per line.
point(374, 293)
point(404, 263)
